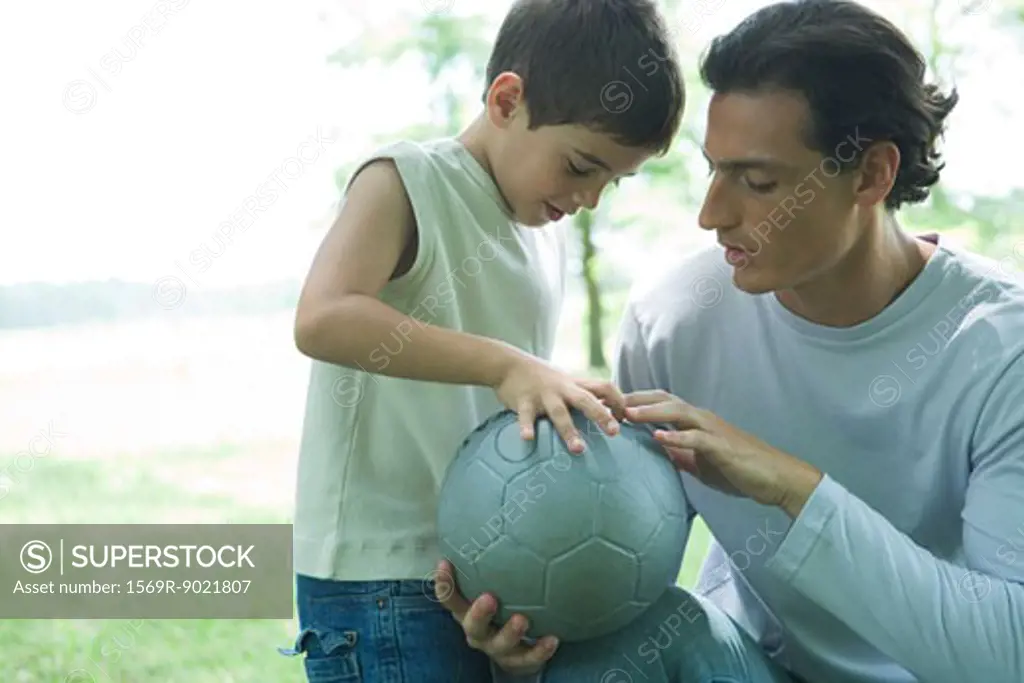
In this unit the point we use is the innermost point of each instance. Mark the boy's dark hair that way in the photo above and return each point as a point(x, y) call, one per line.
point(859, 74)
point(606, 64)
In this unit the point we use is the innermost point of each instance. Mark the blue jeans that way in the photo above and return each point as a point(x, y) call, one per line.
point(681, 638)
point(396, 632)
point(381, 632)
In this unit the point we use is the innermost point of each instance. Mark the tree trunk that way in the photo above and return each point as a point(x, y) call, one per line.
point(595, 339)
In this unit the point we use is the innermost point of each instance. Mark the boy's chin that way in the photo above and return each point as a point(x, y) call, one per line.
point(532, 219)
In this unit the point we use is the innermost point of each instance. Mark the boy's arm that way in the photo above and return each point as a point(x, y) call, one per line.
point(340, 320)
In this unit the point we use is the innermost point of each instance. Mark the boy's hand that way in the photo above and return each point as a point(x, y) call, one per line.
point(531, 388)
point(506, 646)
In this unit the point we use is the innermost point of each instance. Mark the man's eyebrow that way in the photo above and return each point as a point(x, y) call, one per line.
point(746, 163)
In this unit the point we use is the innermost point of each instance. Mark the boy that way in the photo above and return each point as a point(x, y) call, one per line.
point(433, 302)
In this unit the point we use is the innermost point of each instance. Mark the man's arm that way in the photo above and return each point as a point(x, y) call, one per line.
point(631, 370)
point(944, 623)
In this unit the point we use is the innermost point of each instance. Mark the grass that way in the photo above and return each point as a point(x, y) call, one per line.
point(136, 489)
point(161, 487)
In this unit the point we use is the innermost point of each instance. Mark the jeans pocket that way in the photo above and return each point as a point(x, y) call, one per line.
point(330, 655)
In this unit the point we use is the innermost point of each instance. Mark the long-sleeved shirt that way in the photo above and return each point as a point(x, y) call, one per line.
point(907, 562)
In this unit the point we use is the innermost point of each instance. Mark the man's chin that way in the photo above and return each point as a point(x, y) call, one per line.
point(748, 280)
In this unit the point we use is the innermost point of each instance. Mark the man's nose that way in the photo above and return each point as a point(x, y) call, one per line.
point(719, 210)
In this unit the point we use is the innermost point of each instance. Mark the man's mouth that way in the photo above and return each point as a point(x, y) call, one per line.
point(735, 255)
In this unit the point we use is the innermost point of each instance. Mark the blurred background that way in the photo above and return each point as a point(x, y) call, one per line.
point(146, 314)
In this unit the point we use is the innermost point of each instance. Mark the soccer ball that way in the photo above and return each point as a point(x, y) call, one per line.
point(579, 544)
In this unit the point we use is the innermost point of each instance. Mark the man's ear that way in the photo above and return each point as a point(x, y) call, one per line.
point(876, 174)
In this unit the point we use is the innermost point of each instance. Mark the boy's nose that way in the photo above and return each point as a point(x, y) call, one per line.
point(588, 200)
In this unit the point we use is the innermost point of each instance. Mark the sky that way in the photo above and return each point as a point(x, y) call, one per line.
point(141, 129)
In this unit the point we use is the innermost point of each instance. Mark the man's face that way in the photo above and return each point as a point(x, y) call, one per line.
point(553, 171)
point(787, 213)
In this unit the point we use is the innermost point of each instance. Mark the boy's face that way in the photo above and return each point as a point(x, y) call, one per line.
point(547, 173)
point(786, 209)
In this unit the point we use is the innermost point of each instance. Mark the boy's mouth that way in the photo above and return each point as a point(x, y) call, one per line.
point(554, 213)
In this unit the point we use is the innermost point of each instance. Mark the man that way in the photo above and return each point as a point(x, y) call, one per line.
point(847, 399)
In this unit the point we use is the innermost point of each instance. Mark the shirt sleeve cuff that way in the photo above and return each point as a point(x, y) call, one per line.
point(807, 529)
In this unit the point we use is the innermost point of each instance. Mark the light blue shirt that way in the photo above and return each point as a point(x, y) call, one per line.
point(907, 563)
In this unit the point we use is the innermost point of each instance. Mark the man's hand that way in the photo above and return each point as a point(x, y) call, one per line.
point(723, 456)
point(531, 388)
point(504, 646)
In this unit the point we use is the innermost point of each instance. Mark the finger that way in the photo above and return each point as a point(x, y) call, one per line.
point(643, 398)
point(477, 622)
point(562, 420)
point(531, 658)
point(527, 419)
point(684, 459)
point(509, 638)
point(610, 394)
point(675, 412)
point(594, 411)
point(688, 439)
point(447, 592)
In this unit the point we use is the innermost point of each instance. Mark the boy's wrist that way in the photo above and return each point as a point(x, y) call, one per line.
point(497, 361)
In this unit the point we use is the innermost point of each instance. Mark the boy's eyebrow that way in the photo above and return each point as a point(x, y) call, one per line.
point(592, 159)
point(599, 162)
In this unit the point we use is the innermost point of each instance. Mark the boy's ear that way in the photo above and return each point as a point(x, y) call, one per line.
point(505, 99)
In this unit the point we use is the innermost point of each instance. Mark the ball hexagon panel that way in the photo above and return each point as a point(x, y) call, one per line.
point(625, 515)
point(603, 455)
point(663, 481)
point(553, 519)
point(521, 572)
point(481, 489)
point(661, 557)
point(612, 571)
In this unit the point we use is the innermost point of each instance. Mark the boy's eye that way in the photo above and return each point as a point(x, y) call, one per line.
point(576, 170)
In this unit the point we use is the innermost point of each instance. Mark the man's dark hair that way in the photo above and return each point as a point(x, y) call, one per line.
point(859, 74)
point(609, 65)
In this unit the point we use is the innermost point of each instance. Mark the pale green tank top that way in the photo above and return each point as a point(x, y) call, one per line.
point(374, 448)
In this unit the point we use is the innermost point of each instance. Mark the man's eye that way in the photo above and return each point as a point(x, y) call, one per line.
point(761, 188)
